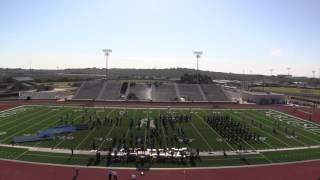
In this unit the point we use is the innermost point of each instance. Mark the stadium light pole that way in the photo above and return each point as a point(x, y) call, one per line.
point(198, 55)
point(271, 72)
point(313, 74)
point(107, 53)
point(288, 68)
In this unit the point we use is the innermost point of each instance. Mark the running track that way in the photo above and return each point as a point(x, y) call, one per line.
point(295, 171)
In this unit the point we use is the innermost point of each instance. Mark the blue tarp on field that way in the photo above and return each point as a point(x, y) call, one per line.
point(62, 129)
point(21, 139)
point(49, 133)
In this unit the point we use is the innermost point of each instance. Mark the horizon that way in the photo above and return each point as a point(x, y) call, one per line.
point(241, 37)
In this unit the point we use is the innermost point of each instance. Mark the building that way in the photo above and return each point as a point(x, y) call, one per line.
point(263, 97)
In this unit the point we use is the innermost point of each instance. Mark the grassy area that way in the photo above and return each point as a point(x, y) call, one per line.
point(124, 127)
point(285, 90)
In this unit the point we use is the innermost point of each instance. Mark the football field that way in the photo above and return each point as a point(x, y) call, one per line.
point(209, 131)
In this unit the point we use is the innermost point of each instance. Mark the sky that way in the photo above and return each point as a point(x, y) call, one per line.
point(239, 36)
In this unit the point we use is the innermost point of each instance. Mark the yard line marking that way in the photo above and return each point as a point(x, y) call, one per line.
point(21, 154)
point(91, 132)
point(256, 150)
point(265, 132)
point(94, 129)
point(22, 118)
point(215, 131)
point(279, 131)
point(61, 141)
point(52, 156)
point(301, 128)
point(19, 132)
point(17, 115)
point(202, 136)
point(77, 117)
point(106, 136)
point(134, 115)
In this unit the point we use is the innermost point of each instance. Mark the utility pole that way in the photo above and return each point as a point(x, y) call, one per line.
point(198, 54)
point(107, 53)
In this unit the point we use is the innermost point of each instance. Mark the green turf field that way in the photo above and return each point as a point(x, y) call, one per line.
point(131, 127)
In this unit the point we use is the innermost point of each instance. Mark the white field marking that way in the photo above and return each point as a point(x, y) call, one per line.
point(256, 150)
point(85, 138)
point(39, 122)
point(130, 107)
point(274, 137)
point(20, 155)
point(10, 113)
point(225, 159)
point(300, 128)
point(194, 127)
point(162, 128)
point(259, 131)
point(64, 139)
point(215, 131)
point(211, 149)
point(283, 133)
point(52, 156)
point(134, 115)
point(61, 141)
point(39, 114)
point(77, 117)
point(21, 118)
point(109, 132)
point(297, 119)
point(12, 109)
point(204, 154)
point(92, 130)
point(268, 144)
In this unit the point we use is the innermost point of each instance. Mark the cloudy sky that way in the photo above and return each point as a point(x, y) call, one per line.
point(241, 36)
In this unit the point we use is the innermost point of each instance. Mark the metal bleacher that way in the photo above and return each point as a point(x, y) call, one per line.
point(190, 92)
point(89, 90)
point(142, 91)
point(164, 92)
point(214, 92)
point(110, 91)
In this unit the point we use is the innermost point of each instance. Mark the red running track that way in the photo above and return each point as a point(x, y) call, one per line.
point(296, 171)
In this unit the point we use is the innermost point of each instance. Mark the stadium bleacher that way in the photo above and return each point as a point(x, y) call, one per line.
point(110, 91)
point(89, 90)
point(190, 92)
point(214, 92)
point(142, 91)
point(164, 92)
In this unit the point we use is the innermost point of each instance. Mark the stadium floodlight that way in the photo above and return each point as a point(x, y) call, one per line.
point(313, 74)
point(198, 54)
point(271, 72)
point(107, 53)
point(288, 68)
